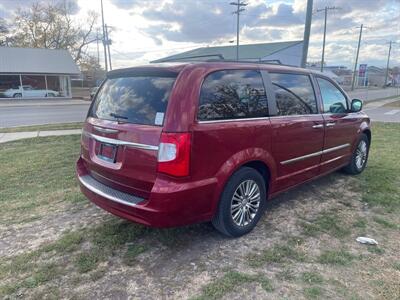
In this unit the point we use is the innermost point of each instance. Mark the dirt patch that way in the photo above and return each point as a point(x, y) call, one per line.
point(178, 264)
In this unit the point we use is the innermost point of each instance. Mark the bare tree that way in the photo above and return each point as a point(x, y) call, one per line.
point(4, 30)
point(50, 25)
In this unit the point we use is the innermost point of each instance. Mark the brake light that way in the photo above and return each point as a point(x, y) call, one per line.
point(174, 154)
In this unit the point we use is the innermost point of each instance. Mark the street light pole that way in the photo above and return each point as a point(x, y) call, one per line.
point(356, 62)
point(104, 36)
point(108, 47)
point(307, 30)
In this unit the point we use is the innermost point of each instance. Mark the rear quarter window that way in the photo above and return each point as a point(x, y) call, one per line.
point(232, 94)
point(139, 99)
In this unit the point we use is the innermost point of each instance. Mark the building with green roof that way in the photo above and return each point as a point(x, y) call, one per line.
point(288, 53)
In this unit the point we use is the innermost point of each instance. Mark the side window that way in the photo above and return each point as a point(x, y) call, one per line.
point(294, 94)
point(333, 99)
point(233, 94)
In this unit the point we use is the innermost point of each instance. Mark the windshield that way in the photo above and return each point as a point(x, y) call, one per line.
point(139, 100)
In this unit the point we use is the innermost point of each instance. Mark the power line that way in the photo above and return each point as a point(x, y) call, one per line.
point(323, 43)
point(239, 8)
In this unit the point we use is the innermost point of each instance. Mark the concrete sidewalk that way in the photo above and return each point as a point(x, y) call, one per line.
point(13, 136)
point(42, 102)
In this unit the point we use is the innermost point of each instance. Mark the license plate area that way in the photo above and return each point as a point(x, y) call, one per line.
point(107, 152)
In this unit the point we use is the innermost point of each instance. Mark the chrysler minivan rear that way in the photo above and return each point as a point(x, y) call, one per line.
point(130, 165)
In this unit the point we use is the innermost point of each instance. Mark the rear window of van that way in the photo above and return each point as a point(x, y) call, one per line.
point(138, 99)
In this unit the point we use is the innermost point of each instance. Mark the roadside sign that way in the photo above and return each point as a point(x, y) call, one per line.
point(362, 70)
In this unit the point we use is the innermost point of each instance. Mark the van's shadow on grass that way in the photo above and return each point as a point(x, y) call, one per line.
point(204, 233)
point(200, 243)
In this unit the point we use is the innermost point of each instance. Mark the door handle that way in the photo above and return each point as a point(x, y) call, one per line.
point(330, 124)
point(318, 126)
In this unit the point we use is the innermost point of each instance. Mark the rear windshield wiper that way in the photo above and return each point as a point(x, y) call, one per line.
point(118, 117)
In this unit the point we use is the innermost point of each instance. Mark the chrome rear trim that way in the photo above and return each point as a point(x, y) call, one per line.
point(108, 192)
point(105, 130)
point(289, 161)
point(120, 142)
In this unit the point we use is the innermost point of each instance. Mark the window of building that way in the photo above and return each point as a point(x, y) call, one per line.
point(58, 85)
point(33, 86)
point(294, 94)
point(9, 86)
point(233, 94)
point(332, 98)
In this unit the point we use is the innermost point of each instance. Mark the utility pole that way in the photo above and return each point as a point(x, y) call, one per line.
point(356, 62)
point(104, 36)
point(387, 64)
point(307, 29)
point(323, 43)
point(98, 49)
point(108, 47)
point(239, 9)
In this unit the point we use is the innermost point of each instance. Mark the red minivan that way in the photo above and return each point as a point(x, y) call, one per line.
point(175, 144)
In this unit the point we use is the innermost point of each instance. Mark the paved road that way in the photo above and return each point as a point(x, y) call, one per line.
point(384, 114)
point(368, 95)
point(52, 113)
point(11, 116)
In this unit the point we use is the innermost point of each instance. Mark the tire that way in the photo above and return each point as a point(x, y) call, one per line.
point(17, 95)
point(50, 95)
point(224, 220)
point(359, 157)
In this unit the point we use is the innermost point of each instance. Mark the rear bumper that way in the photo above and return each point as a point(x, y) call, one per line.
point(170, 203)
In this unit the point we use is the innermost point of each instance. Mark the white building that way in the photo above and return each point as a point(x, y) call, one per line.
point(287, 53)
point(32, 73)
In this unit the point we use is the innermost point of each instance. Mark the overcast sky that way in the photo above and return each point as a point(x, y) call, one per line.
point(144, 30)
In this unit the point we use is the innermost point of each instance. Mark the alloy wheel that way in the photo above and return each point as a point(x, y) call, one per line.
point(245, 203)
point(361, 154)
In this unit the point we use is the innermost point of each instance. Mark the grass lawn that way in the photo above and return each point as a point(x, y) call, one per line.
point(61, 126)
point(55, 244)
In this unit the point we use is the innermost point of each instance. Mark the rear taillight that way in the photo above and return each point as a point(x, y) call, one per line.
point(174, 154)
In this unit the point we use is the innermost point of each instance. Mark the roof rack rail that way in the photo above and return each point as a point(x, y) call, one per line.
point(270, 61)
point(220, 57)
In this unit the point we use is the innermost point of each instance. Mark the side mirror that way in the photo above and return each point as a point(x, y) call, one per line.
point(356, 105)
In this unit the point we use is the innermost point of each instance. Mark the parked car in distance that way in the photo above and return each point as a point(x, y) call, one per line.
point(28, 91)
point(93, 92)
point(170, 145)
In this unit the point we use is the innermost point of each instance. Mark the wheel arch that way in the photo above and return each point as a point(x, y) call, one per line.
point(367, 132)
point(256, 158)
point(262, 168)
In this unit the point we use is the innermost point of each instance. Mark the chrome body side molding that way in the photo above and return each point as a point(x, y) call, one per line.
point(296, 159)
